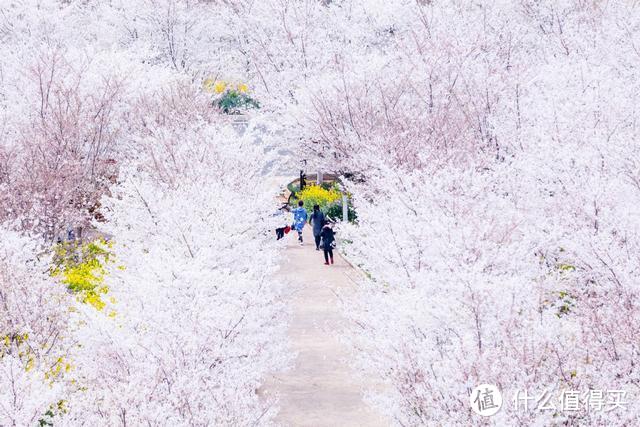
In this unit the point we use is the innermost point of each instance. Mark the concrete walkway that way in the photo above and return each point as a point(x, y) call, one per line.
point(321, 389)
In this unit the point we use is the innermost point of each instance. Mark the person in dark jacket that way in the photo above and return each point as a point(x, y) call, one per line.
point(317, 219)
point(328, 239)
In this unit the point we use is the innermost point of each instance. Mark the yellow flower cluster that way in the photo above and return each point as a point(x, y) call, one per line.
point(220, 86)
point(317, 195)
point(8, 339)
point(20, 343)
point(59, 366)
point(83, 268)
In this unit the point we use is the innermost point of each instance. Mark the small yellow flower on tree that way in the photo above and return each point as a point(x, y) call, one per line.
point(219, 86)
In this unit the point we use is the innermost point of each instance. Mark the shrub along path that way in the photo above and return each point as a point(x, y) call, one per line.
point(320, 389)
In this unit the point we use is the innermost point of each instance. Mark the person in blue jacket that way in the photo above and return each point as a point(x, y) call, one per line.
point(299, 219)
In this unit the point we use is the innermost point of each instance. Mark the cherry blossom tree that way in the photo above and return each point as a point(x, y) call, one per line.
point(489, 149)
point(34, 322)
point(62, 158)
point(481, 224)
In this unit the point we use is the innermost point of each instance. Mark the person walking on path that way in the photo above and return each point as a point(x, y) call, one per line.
point(328, 239)
point(299, 219)
point(317, 220)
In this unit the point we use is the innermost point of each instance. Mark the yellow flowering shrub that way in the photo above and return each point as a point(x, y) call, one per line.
point(230, 97)
point(219, 86)
point(82, 267)
point(317, 195)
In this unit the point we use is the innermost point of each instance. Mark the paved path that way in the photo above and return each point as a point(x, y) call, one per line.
point(321, 389)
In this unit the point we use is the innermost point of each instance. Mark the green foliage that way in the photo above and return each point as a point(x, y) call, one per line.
point(47, 419)
point(562, 303)
point(335, 211)
point(232, 101)
point(53, 411)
